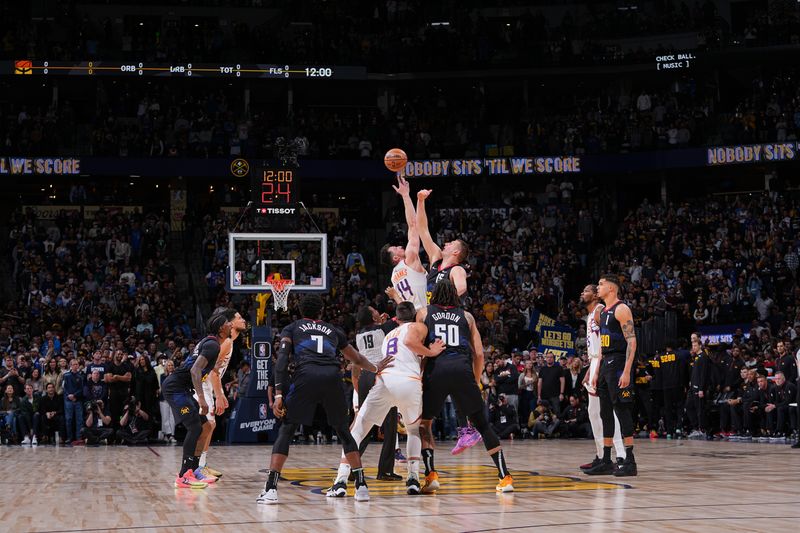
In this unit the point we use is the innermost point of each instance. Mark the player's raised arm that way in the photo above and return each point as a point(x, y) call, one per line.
point(412, 247)
point(414, 341)
point(431, 248)
point(477, 347)
point(623, 314)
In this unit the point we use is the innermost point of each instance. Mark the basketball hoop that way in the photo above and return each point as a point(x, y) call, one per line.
point(280, 291)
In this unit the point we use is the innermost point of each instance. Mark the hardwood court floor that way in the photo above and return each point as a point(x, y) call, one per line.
point(682, 486)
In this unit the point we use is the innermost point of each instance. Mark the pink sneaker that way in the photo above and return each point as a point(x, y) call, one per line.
point(467, 438)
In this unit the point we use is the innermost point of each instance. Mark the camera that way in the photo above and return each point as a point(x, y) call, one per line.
point(132, 405)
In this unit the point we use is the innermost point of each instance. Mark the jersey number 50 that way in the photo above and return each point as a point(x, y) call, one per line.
point(448, 333)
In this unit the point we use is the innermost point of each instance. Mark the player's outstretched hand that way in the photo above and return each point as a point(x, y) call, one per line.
point(392, 293)
point(278, 409)
point(384, 363)
point(437, 346)
point(402, 188)
point(423, 194)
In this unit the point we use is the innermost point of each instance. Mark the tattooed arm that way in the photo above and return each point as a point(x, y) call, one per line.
point(623, 314)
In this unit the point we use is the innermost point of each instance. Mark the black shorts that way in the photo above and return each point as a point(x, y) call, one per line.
point(184, 407)
point(312, 385)
point(454, 378)
point(611, 369)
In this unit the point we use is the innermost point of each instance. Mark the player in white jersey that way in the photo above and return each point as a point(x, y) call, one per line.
point(215, 395)
point(592, 301)
point(409, 277)
point(399, 384)
point(373, 328)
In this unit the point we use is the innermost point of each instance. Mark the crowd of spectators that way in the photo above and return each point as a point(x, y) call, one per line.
point(391, 36)
point(97, 319)
point(94, 316)
point(138, 119)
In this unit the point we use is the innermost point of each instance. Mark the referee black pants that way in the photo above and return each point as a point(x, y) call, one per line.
point(386, 461)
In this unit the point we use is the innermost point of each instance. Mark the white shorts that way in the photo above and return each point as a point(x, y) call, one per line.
point(402, 392)
point(208, 392)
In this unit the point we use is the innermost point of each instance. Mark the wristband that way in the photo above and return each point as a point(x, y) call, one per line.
point(277, 396)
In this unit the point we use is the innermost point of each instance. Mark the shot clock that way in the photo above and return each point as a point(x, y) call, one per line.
point(276, 190)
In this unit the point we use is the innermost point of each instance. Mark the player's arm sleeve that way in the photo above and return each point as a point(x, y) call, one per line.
point(431, 248)
point(282, 364)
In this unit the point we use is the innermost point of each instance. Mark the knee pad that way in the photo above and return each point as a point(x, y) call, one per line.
point(480, 423)
point(285, 435)
point(346, 438)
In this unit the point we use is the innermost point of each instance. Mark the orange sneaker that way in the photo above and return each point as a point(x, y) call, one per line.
point(506, 485)
point(188, 481)
point(431, 483)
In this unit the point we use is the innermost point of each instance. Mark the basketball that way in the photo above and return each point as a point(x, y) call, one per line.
point(395, 159)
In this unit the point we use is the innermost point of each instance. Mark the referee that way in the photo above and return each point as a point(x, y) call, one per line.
point(368, 342)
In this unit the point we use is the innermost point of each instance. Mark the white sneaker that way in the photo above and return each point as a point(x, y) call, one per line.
point(268, 497)
point(362, 494)
point(338, 490)
point(35, 441)
point(26, 441)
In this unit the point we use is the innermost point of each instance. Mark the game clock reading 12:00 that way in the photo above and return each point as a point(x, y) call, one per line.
point(276, 191)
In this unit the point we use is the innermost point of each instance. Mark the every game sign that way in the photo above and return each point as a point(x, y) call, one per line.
point(44, 165)
point(494, 166)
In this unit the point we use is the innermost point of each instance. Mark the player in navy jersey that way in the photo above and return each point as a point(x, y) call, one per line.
point(445, 263)
point(313, 346)
point(456, 373)
point(615, 383)
point(180, 387)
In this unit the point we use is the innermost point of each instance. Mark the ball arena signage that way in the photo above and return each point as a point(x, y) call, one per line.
point(42, 166)
point(753, 153)
point(494, 166)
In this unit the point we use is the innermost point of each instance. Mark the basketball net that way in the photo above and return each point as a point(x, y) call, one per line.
point(280, 291)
